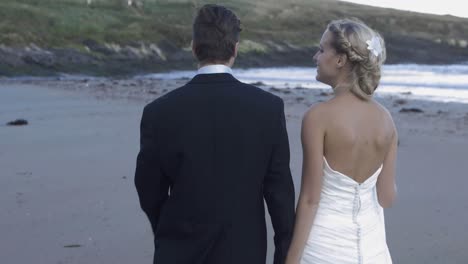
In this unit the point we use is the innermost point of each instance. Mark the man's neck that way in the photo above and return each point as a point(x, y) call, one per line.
point(228, 63)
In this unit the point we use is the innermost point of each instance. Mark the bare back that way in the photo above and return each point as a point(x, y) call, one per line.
point(358, 135)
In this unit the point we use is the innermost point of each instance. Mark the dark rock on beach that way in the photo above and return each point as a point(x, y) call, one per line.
point(411, 110)
point(18, 122)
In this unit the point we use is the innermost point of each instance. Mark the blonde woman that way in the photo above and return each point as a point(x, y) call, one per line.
point(349, 147)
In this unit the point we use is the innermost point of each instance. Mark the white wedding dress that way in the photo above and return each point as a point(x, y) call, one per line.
point(349, 226)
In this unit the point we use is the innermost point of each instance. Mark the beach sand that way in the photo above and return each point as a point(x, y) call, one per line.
point(66, 178)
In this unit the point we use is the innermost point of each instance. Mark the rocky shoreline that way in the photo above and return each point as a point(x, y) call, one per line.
point(111, 59)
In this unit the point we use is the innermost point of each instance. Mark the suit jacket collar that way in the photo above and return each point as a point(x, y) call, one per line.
point(213, 78)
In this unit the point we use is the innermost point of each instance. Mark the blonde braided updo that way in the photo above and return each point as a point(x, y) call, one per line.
point(349, 37)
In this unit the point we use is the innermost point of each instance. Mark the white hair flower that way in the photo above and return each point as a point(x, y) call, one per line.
point(374, 46)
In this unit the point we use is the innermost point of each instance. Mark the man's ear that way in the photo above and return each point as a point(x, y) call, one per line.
point(342, 60)
point(193, 49)
point(236, 48)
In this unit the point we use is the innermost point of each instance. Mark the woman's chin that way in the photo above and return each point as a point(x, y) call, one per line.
point(321, 80)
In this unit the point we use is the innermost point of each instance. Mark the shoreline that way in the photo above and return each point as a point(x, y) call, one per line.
point(190, 66)
point(434, 83)
point(425, 116)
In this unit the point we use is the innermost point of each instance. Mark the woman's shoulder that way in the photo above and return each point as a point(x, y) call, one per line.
point(317, 114)
point(317, 110)
point(382, 111)
point(386, 117)
point(325, 110)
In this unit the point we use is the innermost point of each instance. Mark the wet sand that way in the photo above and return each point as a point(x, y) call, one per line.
point(66, 178)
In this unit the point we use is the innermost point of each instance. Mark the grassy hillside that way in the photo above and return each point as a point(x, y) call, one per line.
point(270, 27)
point(61, 23)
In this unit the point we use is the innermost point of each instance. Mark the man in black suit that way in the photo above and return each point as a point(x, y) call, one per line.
point(211, 152)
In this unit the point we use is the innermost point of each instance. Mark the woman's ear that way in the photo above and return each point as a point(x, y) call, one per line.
point(342, 60)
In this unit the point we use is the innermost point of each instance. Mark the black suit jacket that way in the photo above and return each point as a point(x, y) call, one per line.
point(211, 152)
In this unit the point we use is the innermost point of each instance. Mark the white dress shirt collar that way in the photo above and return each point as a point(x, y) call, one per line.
point(215, 68)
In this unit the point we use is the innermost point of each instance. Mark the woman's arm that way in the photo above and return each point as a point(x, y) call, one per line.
point(386, 188)
point(312, 135)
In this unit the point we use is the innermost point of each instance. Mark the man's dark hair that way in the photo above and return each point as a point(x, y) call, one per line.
point(216, 31)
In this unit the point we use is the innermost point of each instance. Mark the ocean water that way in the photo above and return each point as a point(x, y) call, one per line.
point(443, 83)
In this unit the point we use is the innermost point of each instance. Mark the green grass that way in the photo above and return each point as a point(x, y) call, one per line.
point(67, 23)
point(63, 23)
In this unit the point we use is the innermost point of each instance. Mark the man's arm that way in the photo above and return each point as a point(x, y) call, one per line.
point(151, 185)
point(279, 190)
